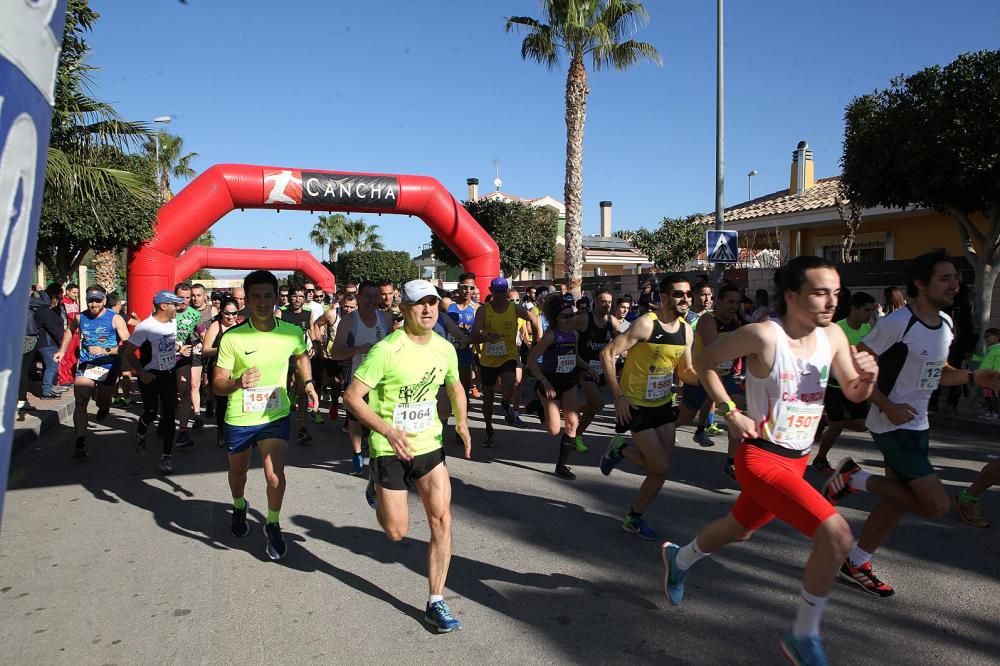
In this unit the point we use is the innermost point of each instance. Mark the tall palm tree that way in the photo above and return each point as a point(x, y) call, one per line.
point(173, 161)
point(337, 233)
point(601, 29)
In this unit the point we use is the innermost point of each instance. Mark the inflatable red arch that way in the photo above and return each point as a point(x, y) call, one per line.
point(226, 187)
point(199, 257)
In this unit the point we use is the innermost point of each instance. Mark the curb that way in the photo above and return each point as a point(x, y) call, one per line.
point(39, 421)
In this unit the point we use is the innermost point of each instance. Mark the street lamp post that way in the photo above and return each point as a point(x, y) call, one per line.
point(159, 120)
point(749, 182)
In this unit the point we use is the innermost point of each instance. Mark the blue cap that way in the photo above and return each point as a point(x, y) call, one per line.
point(499, 284)
point(166, 296)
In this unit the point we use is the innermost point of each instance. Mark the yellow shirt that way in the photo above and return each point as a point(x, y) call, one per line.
point(504, 324)
point(649, 367)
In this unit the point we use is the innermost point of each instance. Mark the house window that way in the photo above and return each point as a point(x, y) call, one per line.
point(867, 248)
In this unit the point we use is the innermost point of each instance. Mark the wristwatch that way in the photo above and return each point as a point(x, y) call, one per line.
point(726, 408)
point(972, 377)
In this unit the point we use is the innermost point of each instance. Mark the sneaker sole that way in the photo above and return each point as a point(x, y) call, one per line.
point(836, 473)
point(961, 516)
point(850, 579)
point(666, 571)
point(438, 627)
point(267, 549)
point(636, 532)
point(245, 532)
point(792, 659)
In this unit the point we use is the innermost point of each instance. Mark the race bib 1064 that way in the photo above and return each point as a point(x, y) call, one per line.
point(261, 398)
point(657, 387)
point(414, 417)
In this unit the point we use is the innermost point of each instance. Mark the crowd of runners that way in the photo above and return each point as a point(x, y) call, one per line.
point(407, 362)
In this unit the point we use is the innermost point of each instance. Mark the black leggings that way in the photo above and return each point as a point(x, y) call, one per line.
point(221, 403)
point(162, 390)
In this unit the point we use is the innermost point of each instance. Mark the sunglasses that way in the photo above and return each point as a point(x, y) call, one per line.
point(677, 293)
point(95, 300)
point(465, 286)
point(230, 313)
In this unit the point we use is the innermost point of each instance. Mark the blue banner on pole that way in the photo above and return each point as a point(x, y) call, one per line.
point(30, 39)
point(722, 247)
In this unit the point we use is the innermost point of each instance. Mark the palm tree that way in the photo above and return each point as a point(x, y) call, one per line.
point(602, 30)
point(337, 233)
point(172, 161)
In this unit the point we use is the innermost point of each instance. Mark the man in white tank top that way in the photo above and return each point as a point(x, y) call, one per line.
point(357, 333)
point(788, 365)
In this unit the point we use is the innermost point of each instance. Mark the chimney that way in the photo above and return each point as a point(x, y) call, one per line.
point(473, 184)
point(803, 174)
point(605, 219)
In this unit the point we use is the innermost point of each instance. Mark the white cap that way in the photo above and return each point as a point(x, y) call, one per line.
point(414, 290)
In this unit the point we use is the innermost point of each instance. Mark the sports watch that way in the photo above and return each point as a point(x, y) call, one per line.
point(726, 408)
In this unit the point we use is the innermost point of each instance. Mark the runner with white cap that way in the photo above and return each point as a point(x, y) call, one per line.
point(400, 377)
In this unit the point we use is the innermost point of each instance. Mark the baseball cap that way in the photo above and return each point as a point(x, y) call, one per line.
point(96, 295)
point(166, 296)
point(414, 290)
point(499, 284)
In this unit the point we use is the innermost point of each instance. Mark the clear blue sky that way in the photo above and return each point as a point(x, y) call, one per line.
point(438, 88)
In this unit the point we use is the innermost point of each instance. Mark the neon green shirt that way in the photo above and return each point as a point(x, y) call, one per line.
point(854, 337)
point(187, 321)
point(404, 379)
point(244, 347)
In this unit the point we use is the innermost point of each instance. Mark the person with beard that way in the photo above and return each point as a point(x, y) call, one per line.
point(912, 346)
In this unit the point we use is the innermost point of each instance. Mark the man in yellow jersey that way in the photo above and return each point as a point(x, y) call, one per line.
point(401, 376)
point(658, 344)
point(252, 369)
point(495, 328)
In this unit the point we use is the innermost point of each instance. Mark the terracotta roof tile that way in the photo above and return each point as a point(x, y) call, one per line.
point(822, 195)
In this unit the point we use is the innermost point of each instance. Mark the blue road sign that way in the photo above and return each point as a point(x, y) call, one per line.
point(722, 247)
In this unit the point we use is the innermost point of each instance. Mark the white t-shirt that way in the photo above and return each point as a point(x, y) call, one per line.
point(316, 311)
point(162, 340)
point(908, 374)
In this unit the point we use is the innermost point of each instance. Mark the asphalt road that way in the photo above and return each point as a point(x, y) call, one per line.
point(105, 562)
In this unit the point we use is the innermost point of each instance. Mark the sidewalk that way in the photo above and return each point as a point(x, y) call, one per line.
point(45, 415)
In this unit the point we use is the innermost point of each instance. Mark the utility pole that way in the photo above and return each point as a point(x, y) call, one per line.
point(719, 138)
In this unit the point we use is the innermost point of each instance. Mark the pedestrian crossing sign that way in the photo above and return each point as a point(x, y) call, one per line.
point(722, 246)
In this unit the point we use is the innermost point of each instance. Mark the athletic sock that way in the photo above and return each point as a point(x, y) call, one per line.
point(859, 480)
point(272, 517)
point(966, 496)
point(240, 503)
point(689, 554)
point(808, 615)
point(710, 419)
point(858, 557)
point(434, 598)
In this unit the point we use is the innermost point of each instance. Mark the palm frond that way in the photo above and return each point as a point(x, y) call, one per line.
point(65, 177)
point(625, 55)
point(540, 47)
point(622, 18)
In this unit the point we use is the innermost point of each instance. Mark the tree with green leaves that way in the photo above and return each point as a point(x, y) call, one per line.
point(359, 265)
point(97, 196)
point(578, 29)
point(526, 235)
point(337, 232)
point(673, 244)
point(932, 140)
point(82, 126)
point(174, 162)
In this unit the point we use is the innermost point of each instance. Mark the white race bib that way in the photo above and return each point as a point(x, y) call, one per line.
point(565, 363)
point(930, 375)
point(261, 398)
point(658, 386)
point(496, 348)
point(796, 424)
point(596, 368)
point(414, 417)
point(97, 373)
point(166, 353)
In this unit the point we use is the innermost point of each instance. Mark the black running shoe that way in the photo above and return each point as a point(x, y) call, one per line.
point(184, 440)
point(488, 442)
point(197, 423)
point(240, 527)
point(140, 444)
point(80, 452)
point(508, 414)
point(370, 495)
point(102, 413)
point(564, 472)
point(276, 548)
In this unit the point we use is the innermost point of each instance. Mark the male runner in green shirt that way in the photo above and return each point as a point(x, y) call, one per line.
point(401, 376)
point(252, 369)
